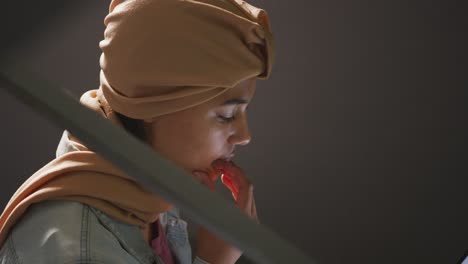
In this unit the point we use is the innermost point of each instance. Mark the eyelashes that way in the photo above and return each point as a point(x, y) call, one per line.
point(226, 119)
point(230, 116)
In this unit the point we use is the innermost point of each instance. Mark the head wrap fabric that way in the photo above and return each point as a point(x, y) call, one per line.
point(163, 56)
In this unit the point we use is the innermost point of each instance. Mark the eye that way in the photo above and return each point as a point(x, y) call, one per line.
point(226, 119)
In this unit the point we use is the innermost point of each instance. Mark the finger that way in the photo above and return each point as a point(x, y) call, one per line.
point(235, 186)
point(245, 197)
point(224, 166)
point(204, 179)
point(243, 191)
point(237, 174)
point(227, 175)
point(243, 186)
point(233, 180)
point(214, 174)
point(228, 183)
point(234, 194)
point(254, 211)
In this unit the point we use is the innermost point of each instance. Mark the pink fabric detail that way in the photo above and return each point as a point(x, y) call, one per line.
point(159, 244)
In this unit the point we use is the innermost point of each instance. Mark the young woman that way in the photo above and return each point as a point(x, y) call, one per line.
point(179, 75)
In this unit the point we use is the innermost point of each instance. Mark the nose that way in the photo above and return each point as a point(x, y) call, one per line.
point(241, 135)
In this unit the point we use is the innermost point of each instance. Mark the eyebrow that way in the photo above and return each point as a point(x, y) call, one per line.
point(235, 101)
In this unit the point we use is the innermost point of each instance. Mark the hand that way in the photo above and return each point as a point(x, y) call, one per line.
point(209, 247)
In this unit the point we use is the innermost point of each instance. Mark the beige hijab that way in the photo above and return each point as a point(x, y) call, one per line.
point(158, 57)
point(162, 56)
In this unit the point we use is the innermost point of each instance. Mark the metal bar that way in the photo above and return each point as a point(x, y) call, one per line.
point(203, 206)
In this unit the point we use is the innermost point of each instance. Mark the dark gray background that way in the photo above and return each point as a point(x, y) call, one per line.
point(359, 140)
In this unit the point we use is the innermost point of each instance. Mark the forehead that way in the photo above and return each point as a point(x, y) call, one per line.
point(243, 90)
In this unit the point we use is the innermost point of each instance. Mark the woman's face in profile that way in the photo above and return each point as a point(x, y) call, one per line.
point(195, 137)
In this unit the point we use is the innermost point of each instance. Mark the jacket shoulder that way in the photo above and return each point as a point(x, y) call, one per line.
point(62, 232)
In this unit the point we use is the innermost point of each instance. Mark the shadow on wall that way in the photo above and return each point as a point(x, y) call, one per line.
point(21, 19)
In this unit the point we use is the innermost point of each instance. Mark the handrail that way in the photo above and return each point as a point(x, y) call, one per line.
point(157, 174)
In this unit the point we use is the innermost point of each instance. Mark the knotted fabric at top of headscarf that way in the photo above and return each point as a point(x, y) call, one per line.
point(83, 176)
point(163, 56)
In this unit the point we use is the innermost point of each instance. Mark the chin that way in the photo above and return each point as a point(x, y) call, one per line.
point(205, 168)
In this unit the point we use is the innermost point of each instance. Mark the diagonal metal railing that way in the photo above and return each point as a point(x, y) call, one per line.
point(157, 174)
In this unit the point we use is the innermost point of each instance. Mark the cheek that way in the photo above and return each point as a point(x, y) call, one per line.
point(192, 145)
point(207, 147)
point(216, 141)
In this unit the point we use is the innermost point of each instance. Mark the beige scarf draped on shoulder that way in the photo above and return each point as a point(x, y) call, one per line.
point(85, 177)
point(158, 57)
